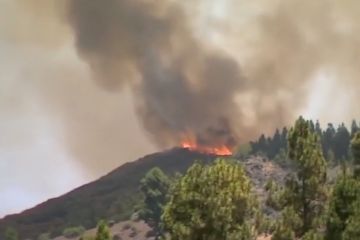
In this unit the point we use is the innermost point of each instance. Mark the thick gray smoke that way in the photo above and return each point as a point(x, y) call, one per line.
point(220, 71)
point(183, 86)
point(182, 89)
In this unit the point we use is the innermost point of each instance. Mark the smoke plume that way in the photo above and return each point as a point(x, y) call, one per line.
point(185, 86)
point(218, 72)
point(182, 88)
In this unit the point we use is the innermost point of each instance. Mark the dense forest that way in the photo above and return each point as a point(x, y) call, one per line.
point(216, 201)
point(335, 141)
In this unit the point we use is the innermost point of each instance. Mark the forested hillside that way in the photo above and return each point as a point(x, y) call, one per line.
point(335, 141)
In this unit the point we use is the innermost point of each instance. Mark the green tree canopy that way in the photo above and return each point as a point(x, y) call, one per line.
point(11, 234)
point(155, 186)
point(352, 230)
point(211, 202)
point(355, 147)
point(345, 193)
point(304, 195)
point(341, 142)
point(103, 232)
point(354, 128)
point(344, 214)
point(73, 232)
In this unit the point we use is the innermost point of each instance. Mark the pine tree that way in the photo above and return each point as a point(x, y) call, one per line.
point(344, 213)
point(262, 144)
point(284, 135)
point(352, 230)
point(312, 126)
point(345, 193)
point(355, 147)
point(354, 128)
point(304, 193)
point(318, 130)
point(288, 225)
point(269, 147)
point(276, 144)
point(341, 143)
point(328, 138)
point(211, 202)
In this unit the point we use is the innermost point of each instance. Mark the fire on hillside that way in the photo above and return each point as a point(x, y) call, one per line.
point(218, 150)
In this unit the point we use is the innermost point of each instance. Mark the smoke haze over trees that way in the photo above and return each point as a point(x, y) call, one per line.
point(335, 141)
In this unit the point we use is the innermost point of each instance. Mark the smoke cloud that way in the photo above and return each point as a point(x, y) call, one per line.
point(87, 85)
point(42, 78)
point(184, 85)
point(181, 87)
point(219, 72)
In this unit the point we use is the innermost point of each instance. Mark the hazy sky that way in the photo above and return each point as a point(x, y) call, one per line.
point(60, 128)
point(42, 77)
point(35, 163)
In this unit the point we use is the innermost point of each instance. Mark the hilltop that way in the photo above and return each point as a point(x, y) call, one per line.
point(259, 169)
point(113, 196)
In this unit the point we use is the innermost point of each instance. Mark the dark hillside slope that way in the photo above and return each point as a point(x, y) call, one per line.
point(112, 196)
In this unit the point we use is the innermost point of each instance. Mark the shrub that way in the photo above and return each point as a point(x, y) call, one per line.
point(73, 232)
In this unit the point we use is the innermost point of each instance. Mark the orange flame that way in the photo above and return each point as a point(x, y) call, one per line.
point(219, 150)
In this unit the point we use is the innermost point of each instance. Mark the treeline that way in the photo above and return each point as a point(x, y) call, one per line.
point(335, 141)
point(217, 201)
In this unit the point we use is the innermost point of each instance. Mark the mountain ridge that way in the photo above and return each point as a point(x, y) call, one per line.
point(111, 196)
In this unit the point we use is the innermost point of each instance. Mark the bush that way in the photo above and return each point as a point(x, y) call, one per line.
point(73, 232)
point(11, 234)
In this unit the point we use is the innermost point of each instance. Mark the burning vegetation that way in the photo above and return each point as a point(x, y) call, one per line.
point(218, 150)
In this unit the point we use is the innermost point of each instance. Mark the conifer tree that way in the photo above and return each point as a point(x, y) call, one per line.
point(345, 193)
point(328, 138)
point(355, 148)
point(304, 195)
point(352, 230)
point(354, 128)
point(262, 143)
point(211, 202)
point(276, 144)
point(311, 125)
point(341, 143)
point(283, 138)
point(344, 213)
point(288, 224)
point(318, 130)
